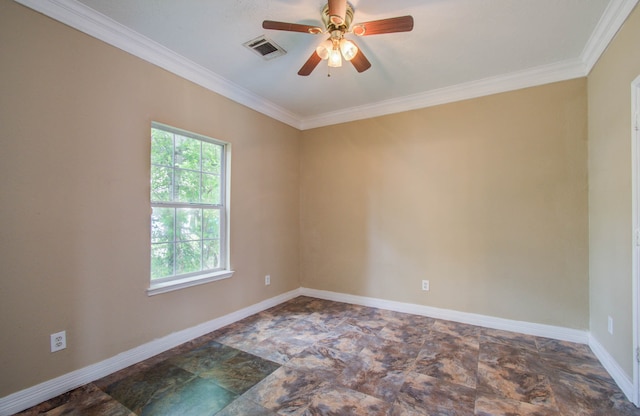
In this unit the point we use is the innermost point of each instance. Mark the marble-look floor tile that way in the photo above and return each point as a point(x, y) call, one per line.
point(410, 335)
point(576, 359)
point(232, 369)
point(140, 389)
point(389, 355)
point(514, 373)
point(577, 395)
point(87, 400)
point(515, 384)
point(425, 395)
point(457, 365)
point(286, 391)
point(350, 341)
point(305, 330)
point(512, 339)
point(444, 335)
point(364, 325)
point(378, 369)
point(324, 362)
point(280, 349)
point(359, 376)
point(204, 357)
point(422, 323)
point(495, 406)
point(244, 407)
point(243, 336)
point(326, 319)
point(330, 400)
point(195, 398)
point(456, 328)
point(240, 372)
point(501, 356)
point(563, 348)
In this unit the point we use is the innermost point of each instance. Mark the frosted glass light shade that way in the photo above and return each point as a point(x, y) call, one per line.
point(324, 48)
point(335, 58)
point(349, 49)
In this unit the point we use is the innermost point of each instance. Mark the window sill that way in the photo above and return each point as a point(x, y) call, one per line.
point(188, 282)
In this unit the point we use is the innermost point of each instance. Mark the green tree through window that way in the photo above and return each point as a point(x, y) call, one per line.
point(187, 200)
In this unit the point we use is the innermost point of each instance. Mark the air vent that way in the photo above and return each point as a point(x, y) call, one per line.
point(265, 47)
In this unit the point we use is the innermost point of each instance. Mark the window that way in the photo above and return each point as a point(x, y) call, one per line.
point(188, 201)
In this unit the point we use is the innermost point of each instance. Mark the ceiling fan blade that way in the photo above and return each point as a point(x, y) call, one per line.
point(291, 27)
point(377, 27)
point(337, 11)
point(360, 62)
point(310, 65)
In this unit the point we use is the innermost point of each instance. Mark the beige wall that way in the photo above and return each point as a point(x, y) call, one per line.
point(486, 198)
point(610, 191)
point(75, 119)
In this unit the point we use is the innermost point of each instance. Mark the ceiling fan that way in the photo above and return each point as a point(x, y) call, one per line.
point(337, 17)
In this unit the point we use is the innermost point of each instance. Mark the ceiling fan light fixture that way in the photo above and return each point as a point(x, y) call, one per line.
point(349, 49)
point(324, 48)
point(337, 16)
point(335, 58)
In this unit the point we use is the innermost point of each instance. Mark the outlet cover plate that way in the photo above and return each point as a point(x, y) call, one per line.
point(58, 341)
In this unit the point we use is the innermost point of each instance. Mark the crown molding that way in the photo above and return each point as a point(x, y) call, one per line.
point(80, 17)
point(610, 22)
point(493, 85)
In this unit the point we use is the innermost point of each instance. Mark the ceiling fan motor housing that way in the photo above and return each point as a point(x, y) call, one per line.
point(331, 27)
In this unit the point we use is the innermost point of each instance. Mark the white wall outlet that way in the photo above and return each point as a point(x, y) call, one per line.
point(610, 325)
point(425, 285)
point(58, 341)
point(267, 280)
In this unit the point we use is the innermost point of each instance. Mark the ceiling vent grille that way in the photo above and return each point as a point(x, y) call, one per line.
point(265, 47)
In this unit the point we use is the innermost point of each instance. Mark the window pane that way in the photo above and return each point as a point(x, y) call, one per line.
point(161, 183)
point(187, 186)
point(187, 197)
point(161, 260)
point(161, 147)
point(189, 225)
point(211, 227)
point(187, 153)
point(162, 225)
point(188, 256)
point(211, 156)
point(211, 254)
point(210, 189)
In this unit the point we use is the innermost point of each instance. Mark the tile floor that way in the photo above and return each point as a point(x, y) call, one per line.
point(316, 357)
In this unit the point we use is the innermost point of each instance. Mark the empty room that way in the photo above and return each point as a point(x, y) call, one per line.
point(319, 207)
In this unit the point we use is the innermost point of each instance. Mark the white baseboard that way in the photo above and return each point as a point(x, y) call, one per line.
point(611, 365)
point(32, 396)
point(540, 330)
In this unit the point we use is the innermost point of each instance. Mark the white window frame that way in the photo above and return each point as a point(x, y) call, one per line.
point(175, 282)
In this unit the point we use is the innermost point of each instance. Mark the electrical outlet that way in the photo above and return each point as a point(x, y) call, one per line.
point(425, 285)
point(58, 341)
point(610, 325)
point(267, 280)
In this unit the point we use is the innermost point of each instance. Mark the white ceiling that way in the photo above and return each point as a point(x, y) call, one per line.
point(458, 49)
